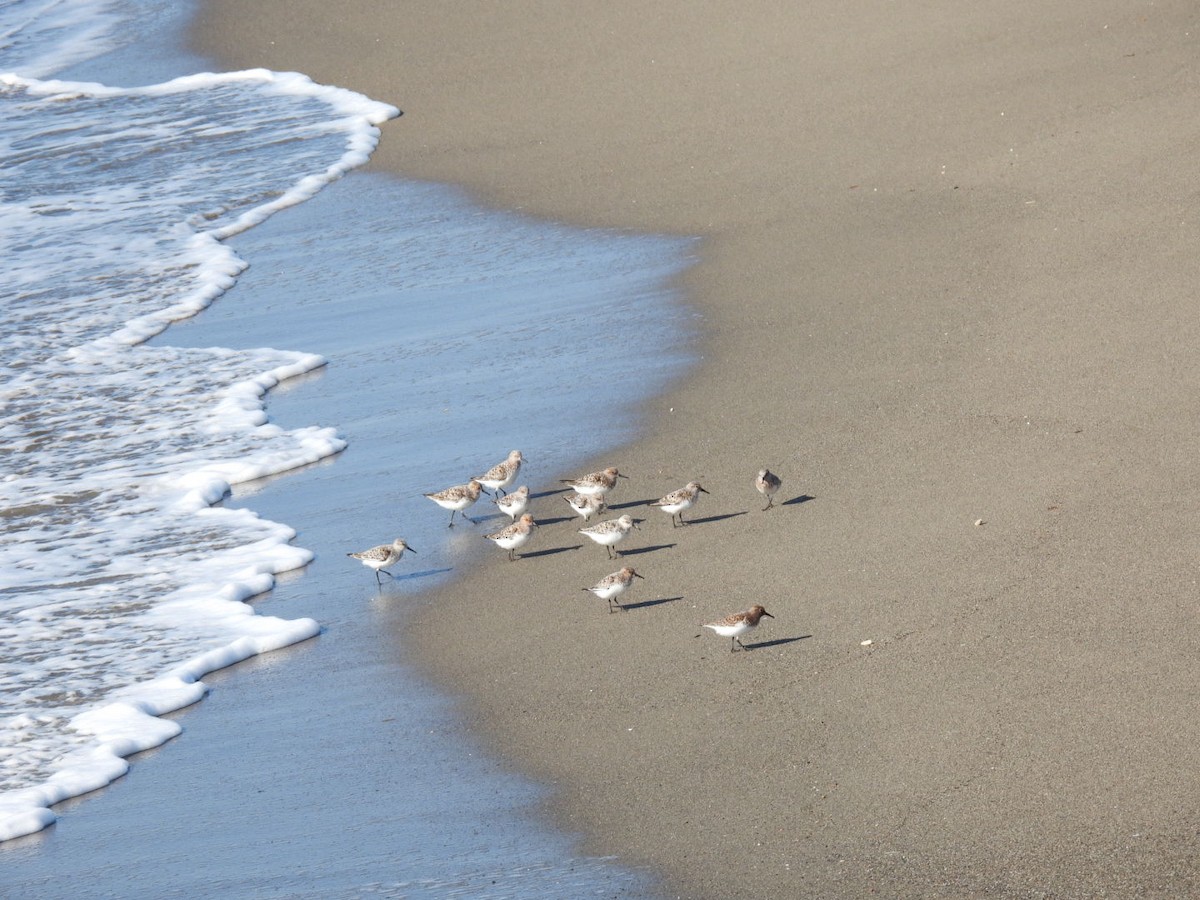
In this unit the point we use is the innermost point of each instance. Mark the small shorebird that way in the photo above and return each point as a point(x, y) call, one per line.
point(512, 505)
point(515, 535)
point(677, 501)
point(501, 475)
point(458, 498)
point(585, 505)
point(379, 558)
point(595, 484)
point(610, 587)
point(767, 483)
point(737, 624)
point(610, 532)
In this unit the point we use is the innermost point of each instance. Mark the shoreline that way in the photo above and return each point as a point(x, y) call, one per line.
point(920, 311)
point(374, 810)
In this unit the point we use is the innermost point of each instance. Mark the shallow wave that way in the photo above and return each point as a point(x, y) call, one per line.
point(121, 583)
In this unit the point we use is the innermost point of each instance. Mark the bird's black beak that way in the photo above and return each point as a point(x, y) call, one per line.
point(410, 549)
point(703, 491)
point(767, 614)
point(636, 575)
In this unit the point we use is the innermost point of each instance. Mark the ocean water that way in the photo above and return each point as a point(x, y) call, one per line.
point(140, 509)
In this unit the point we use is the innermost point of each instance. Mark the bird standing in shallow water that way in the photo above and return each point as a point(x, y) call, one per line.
point(767, 483)
point(515, 535)
point(678, 501)
point(458, 498)
point(514, 504)
point(738, 624)
point(379, 558)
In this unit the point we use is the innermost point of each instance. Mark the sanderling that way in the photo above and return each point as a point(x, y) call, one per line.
point(612, 586)
point(596, 483)
point(457, 498)
point(501, 475)
point(585, 505)
point(738, 623)
point(515, 535)
point(379, 558)
point(677, 501)
point(515, 503)
point(608, 533)
point(767, 483)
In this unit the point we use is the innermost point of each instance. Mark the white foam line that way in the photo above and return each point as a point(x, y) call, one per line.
point(132, 724)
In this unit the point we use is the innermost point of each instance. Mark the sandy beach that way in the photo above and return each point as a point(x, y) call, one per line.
point(946, 293)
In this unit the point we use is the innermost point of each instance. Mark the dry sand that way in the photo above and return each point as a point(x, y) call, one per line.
point(948, 275)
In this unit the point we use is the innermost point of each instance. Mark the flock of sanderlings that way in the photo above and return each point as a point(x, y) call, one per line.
point(587, 499)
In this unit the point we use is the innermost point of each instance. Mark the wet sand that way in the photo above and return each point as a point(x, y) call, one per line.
point(946, 289)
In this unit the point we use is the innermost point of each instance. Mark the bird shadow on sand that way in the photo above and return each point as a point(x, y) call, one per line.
point(796, 501)
point(645, 603)
point(550, 552)
point(424, 573)
point(718, 518)
point(777, 642)
point(632, 503)
point(411, 576)
point(637, 551)
point(554, 520)
point(504, 517)
point(550, 493)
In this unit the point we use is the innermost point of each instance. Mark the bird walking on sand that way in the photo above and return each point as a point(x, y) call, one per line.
point(585, 505)
point(738, 624)
point(458, 498)
point(379, 558)
point(610, 587)
point(677, 501)
point(514, 504)
point(767, 483)
point(595, 483)
point(610, 532)
point(515, 535)
point(502, 474)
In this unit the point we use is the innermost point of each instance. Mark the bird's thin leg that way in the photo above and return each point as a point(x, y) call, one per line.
point(452, 512)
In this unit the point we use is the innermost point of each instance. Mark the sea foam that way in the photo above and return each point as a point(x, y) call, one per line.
point(121, 581)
